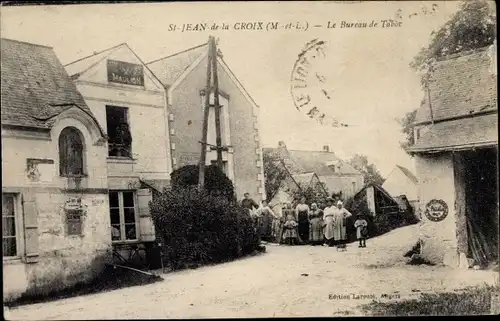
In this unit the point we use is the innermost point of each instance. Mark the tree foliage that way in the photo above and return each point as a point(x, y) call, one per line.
point(406, 124)
point(274, 174)
point(473, 26)
point(216, 182)
point(370, 171)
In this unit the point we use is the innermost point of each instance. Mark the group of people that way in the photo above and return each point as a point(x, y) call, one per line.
point(315, 224)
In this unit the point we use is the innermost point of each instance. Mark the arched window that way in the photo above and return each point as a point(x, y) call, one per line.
point(70, 152)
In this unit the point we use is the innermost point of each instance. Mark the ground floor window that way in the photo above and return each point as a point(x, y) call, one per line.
point(9, 235)
point(122, 209)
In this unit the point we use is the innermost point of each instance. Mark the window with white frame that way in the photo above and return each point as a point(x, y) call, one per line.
point(122, 209)
point(9, 232)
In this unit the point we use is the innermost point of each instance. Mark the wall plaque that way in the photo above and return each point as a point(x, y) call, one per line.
point(436, 210)
point(125, 73)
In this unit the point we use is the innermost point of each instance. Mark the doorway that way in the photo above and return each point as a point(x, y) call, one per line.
point(481, 197)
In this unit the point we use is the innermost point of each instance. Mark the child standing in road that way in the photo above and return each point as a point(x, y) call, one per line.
point(361, 226)
point(290, 234)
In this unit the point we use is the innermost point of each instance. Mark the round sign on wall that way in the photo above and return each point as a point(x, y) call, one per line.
point(436, 210)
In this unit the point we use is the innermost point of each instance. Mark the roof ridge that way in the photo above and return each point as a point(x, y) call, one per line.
point(177, 53)
point(28, 43)
point(462, 54)
point(95, 54)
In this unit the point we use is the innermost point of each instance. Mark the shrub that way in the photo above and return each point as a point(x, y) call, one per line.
point(216, 182)
point(200, 227)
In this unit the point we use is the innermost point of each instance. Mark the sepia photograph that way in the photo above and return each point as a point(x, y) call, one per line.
point(195, 160)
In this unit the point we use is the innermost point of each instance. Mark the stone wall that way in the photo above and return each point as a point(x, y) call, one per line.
point(436, 182)
point(64, 260)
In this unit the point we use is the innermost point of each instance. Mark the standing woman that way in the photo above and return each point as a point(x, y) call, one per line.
point(316, 225)
point(328, 222)
point(266, 217)
point(302, 211)
point(340, 223)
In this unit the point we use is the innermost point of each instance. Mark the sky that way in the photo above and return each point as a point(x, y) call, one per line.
point(366, 69)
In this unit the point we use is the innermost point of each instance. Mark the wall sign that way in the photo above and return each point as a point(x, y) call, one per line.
point(74, 204)
point(436, 210)
point(125, 73)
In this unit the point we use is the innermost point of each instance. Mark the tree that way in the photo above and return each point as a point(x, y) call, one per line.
point(274, 174)
point(370, 171)
point(406, 124)
point(472, 26)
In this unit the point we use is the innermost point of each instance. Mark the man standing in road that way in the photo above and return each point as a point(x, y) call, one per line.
point(249, 203)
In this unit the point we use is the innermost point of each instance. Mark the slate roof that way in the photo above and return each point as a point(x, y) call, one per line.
point(169, 68)
point(35, 85)
point(461, 85)
point(408, 174)
point(464, 133)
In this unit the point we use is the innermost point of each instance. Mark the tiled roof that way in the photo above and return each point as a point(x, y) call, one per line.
point(461, 85)
point(168, 69)
point(35, 86)
point(408, 173)
point(302, 161)
point(465, 133)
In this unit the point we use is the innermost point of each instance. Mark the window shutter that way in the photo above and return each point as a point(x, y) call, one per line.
point(30, 227)
point(146, 226)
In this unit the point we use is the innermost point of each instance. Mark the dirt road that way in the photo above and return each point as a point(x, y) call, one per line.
point(286, 281)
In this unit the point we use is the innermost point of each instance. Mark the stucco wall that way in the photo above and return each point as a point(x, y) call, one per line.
point(436, 181)
point(147, 113)
point(397, 183)
point(336, 184)
point(61, 260)
point(187, 124)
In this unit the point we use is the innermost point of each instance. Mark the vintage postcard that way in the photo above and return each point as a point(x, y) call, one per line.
point(249, 159)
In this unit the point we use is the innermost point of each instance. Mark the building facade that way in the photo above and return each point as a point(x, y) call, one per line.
point(130, 105)
point(54, 176)
point(184, 76)
point(456, 150)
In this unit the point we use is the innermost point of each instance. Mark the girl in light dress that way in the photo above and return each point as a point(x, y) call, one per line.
point(290, 234)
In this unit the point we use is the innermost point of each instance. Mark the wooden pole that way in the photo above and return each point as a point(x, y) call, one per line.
point(218, 138)
point(203, 155)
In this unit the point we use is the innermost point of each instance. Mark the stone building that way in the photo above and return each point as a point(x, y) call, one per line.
point(456, 150)
point(184, 76)
point(339, 177)
point(129, 102)
point(54, 176)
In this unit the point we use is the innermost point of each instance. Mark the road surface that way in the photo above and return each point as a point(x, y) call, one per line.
point(286, 281)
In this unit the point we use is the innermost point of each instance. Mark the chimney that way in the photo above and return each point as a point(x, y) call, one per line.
point(326, 148)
